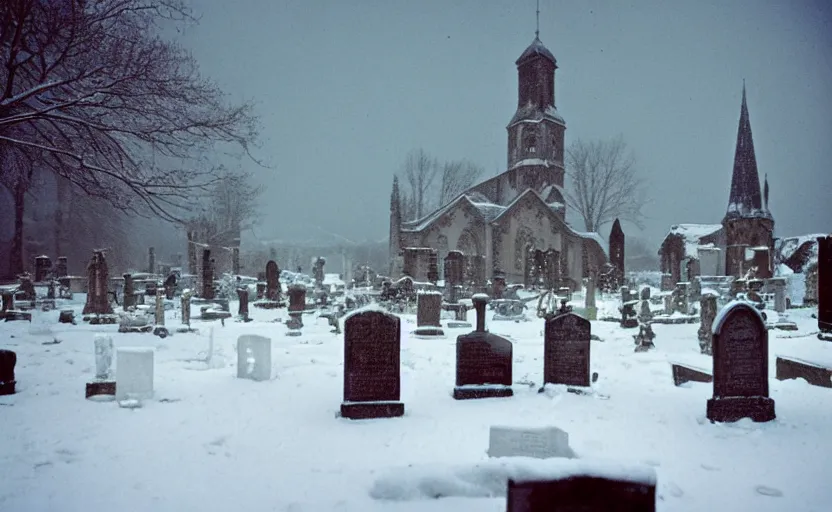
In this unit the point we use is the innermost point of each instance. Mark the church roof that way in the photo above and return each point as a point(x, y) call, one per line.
point(745, 199)
point(536, 49)
point(532, 114)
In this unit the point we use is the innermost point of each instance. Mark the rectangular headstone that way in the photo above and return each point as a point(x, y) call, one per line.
point(428, 309)
point(740, 359)
point(134, 373)
point(814, 373)
point(566, 350)
point(709, 258)
point(483, 366)
point(254, 357)
point(539, 443)
point(372, 385)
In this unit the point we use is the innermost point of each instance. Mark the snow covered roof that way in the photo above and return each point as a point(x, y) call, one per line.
point(530, 113)
point(536, 48)
point(531, 161)
point(788, 246)
point(591, 235)
point(692, 234)
point(489, 211)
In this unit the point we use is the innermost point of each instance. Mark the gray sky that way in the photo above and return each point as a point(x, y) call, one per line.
point(346, 88)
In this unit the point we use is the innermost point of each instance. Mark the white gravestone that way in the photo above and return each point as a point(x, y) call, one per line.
point(779, 285)
point(254, 357)
point(160, 307)
point(539, 443)
point(103, 356)
point(134, 373)
point(709, 261)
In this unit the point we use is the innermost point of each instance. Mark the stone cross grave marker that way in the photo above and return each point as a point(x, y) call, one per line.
point(134, 373)
point(740, 366)
point(272, 281)
point(372, 383)
point(539, 443)
point(483, 361)
point(566, 350)
point(254, 357)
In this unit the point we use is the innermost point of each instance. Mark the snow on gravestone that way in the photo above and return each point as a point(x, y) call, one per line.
point(428, 307)
point(740, 366)
point(483, 361)
point(134, 373)
point(372, 384)
point(539, 443)
point(566, 350)
point(254, 357)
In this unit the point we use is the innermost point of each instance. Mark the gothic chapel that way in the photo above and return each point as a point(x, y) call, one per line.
point(503, 224)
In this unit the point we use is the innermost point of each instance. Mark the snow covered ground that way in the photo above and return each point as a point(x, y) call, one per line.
point(209, 441)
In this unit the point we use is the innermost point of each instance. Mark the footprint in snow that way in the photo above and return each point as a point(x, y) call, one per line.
point(675, 490)
point(768, 491)
point(708, 467)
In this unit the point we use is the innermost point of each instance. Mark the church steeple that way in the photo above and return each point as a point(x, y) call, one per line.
point(536, 131)
point(395, 242)
point(744, 199)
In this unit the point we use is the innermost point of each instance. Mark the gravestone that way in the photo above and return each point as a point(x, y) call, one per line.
point(66, 316)
point(566, 350)
point(170, 286)
point(824, 287)
point(297, 305)
point(709, 258)
point(186, 307)
point(129, 299)
point(103, 383)
point(740, 366)
point(428, 309)
point(43, 264)
point(272, 281)
point(134, 373)
point(8, 360)
point(160, 307)
point(707, 313)
point(235, 259)
point(98, 277)
point(372, 385)
point(207, 275)
point(779, 285)
point(589, 297)
point(483, 361)
point(453, 273)
point(27, 288)
point(62, 267)
point(254, 357)
point(538, 443)
point(585, 486)
point(616, 246)
point(8, 301)
point(242, 309)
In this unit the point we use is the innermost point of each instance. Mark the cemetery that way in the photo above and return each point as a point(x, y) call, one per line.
point(190, 323)
point(488, 411)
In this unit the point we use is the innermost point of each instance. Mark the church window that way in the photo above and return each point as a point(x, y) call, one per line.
point(530, 143)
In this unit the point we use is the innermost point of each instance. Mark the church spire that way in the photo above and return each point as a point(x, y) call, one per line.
point(744, 199)
point(537, 22)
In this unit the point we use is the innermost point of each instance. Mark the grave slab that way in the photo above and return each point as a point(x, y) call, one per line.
point(539, 443)
point(254, 357)
point(134, 373)
point(816, 374)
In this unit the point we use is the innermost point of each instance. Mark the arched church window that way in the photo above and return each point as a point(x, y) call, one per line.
point(530, 142)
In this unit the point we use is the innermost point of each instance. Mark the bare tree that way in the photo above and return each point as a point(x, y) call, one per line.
point(233, 202)
point(604, 183)
point(457, 176)
point(93, 94)
point(420, 171)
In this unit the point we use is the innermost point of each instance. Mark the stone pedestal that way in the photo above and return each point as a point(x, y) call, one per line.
point(254, 357)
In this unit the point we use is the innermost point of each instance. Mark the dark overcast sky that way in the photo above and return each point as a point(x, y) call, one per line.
point(346, 88)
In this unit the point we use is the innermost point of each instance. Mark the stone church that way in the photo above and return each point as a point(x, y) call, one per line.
point(745, 237)
point(505, 224)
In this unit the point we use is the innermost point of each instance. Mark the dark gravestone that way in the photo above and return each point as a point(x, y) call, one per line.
point(129, 292)
point(428, 309)
point(98, 276)
point(272, 281)
point(566, 350)
point(581, 493)
point(242, 309)
point(740, 345)
point(814, 373)
point(683, 373)
point(261, 290)
point(483, 361)
point(62, 268)
point(297, 305)
point(372, 386)
point(170, 286)
point(42, 267)
point(825, 287)
point(66, 316)
point(616, 245)
point(8, 360)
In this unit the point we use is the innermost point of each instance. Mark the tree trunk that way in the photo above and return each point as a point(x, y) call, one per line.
point(16, 256)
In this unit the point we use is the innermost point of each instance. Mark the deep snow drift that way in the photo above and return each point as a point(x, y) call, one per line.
point(209, 441)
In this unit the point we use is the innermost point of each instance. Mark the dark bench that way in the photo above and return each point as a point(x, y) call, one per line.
point(814, 373)
point(683, 373)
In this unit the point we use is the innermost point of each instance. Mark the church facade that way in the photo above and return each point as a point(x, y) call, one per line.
point(507, 222)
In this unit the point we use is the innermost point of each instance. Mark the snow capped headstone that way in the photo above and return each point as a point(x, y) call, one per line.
point(539, 443)
point(566, 350)
point(740, 347)
point(372, 383)
point(254, 357)
point(483, 361)
point(134, 373)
